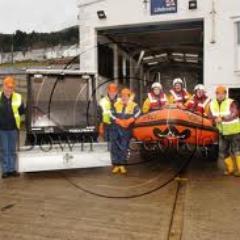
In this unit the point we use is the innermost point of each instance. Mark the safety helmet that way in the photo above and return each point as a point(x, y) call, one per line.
point(126, 92)
point(156, 85)
point(221, 89)
point(199, 87)
point(9, 82)
point(112, 88)
point(177, 80)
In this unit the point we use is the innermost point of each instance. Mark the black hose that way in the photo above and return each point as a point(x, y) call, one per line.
point(166, 183)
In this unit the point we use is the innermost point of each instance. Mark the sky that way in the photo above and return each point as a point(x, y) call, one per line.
point(37, 15)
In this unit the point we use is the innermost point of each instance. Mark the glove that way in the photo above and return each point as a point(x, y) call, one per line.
point(120, 122)
point(181, 106)
point(101, 130)
point(128, 122)
point(124, 123)
point(218, 120)
point(117, 121)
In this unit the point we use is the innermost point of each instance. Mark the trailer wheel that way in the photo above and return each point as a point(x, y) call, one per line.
point(147, 155)
point(211, 153)
point(152, 153)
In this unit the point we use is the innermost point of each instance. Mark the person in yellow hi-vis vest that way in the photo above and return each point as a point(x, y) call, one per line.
point(11, 109)
point(224, 112)
point(105, 106)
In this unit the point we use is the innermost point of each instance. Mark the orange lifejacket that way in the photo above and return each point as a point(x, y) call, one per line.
point(157, 102)
point(198, 104)
point(180, 97)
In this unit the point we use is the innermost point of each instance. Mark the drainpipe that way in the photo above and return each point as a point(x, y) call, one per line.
point(159, 77)
point(115, 63)
point(146, 4)
point(12, 48)
point(213, 13)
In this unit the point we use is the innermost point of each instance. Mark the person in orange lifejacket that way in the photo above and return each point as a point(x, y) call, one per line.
point(123, 115)
point(199, 102)
point(156, 99)
point(178, 94)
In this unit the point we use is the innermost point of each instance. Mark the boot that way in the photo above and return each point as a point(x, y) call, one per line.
point(15, 174)
point(229, 165)
point(115, 169)
point(237, 172)
point(5, 175)
point(123, 170)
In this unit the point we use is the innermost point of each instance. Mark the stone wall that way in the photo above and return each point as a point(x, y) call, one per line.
point(57, 52)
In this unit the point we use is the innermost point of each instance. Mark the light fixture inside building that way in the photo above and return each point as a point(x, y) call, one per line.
point(85, 76)
point(145, 2)
point(152, 63)
point(192, 4)
point(38, 76)
point(101, 14)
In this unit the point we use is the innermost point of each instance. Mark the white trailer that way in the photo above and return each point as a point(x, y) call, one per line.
point(56, 157)
point(61, 123)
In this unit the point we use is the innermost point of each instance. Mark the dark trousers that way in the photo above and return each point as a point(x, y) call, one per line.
point(119, 145)
point(229, 145)
point(108, 129)
point(8, 146)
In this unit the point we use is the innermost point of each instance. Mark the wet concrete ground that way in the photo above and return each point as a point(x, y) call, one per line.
point(54, 206)
point(212, 209)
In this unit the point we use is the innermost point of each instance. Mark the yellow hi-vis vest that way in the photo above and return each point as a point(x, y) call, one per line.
point(105, 104)
point(129, 110)
point(16, 103)
point(223, 110)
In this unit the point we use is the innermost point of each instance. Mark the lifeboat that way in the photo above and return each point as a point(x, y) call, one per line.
point(175, 125)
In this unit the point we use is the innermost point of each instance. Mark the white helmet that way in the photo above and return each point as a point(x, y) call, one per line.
point(199, 87)
point(157, 85)
point(177, 80)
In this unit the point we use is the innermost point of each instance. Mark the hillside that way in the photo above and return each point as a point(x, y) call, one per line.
point(22, 41)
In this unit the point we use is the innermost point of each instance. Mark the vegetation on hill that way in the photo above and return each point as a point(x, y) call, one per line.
point(22, 41)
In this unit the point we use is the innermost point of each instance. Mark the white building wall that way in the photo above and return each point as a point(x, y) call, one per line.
point(219, 57)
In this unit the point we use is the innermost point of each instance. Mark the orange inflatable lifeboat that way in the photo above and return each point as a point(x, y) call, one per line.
point(175, 124)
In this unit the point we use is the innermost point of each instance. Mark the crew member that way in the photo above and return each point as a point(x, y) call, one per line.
point(156, 99)
point(124, 114)
point(178, 94)
point(104, 111)
point(225, 114)
point(199, 102)
point(11, 109)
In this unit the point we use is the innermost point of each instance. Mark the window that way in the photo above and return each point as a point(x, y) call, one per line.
point(237, 52)
point(238, 33)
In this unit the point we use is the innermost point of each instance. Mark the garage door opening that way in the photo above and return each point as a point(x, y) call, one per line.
point(159, 52)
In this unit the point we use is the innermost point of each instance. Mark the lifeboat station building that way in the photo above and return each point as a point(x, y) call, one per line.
point(137, 42)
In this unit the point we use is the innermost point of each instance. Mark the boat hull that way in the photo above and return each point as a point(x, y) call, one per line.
point(172, 124)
